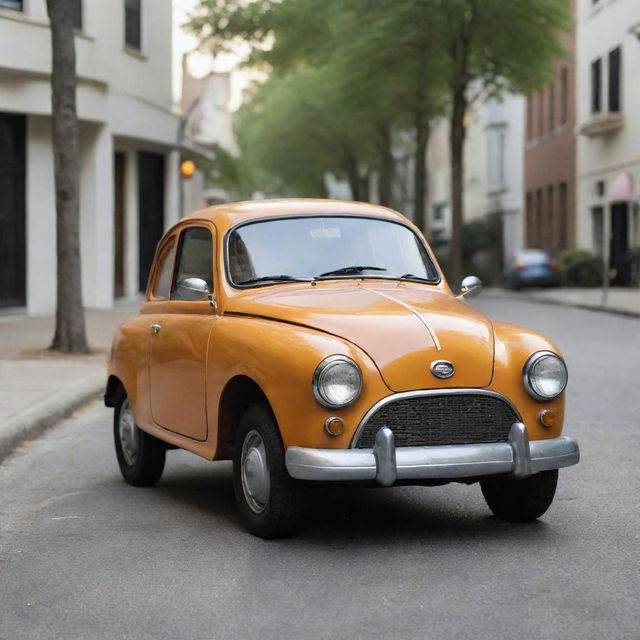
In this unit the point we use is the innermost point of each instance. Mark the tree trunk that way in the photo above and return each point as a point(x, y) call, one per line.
point(457, 136)
point(386, 167)
point(70, 328)
point(353, 177)
point(420, 177)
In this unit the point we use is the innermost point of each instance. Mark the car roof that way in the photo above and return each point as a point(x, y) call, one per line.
point(228, 215)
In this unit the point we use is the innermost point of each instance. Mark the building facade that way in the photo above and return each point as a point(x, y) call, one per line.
point(550, 160)
point(208, 125)
point(129, 187)
point(493, 171)
point(608, 123)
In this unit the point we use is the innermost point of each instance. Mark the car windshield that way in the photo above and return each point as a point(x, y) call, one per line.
point(287, 249)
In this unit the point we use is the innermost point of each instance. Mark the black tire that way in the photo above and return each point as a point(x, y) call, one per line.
point(277, 512)
point(520, 500)
point(144, 468)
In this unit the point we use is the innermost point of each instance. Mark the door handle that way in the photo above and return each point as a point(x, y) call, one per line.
point(155, 328)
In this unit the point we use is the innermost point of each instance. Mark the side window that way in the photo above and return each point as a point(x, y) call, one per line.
point(195, 260)
point(165, 271)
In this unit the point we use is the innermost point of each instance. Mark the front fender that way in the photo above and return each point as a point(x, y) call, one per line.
point(281, 358)
point(513, 347)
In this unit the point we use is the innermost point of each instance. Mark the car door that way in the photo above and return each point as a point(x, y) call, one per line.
point(180, 337)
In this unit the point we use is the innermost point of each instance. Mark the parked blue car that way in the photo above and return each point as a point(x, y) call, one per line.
point(531, 268)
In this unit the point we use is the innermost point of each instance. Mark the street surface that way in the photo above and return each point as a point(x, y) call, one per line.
point(83, 555)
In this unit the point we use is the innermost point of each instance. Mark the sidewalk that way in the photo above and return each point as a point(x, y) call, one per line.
point(38, 387)
point(623, 301)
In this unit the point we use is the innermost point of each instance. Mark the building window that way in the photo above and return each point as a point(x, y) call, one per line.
point(77, 14)
point(133, 24)
point(537, 235)
point(615, 60)
point(541, 113)
point(564, 96)
point(597, 221)
point(439, 211)
point(552, 107)
point(562, 216)
point(16, 5)
point(529, 224)
point(496, 147)
point(596, 86)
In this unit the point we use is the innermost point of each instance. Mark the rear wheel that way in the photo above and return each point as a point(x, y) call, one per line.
point(140, 456)
point(520, 500)
point(268, 499)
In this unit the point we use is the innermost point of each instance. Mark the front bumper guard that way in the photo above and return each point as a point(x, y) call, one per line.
point(385, 463)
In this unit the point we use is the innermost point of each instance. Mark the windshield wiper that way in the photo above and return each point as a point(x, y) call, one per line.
point(275, 278)
point(345, 271)
point(412, 276)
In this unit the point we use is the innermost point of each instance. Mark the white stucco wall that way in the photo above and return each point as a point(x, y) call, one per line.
point(599, 29)
point(124, 101)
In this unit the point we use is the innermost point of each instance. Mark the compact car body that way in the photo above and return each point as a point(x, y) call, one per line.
point(317, 341)
point(532, 268)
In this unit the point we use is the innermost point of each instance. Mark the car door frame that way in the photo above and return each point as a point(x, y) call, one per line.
point(166, 307)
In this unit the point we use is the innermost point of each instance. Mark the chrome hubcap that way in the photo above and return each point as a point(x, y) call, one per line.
point(129, 434)
point(254, 471)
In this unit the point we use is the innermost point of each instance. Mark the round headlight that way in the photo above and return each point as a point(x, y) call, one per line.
point(337, 382)
point(545, 376)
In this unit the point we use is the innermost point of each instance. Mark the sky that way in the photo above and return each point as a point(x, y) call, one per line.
point(200, 63)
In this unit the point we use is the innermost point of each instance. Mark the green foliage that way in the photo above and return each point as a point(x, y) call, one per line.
point(580, 269)
point(230, 173)
point(347, 77)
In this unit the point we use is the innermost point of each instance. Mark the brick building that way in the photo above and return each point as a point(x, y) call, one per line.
point(550, 160)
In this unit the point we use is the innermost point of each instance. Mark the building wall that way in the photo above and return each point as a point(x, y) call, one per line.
point(549, 160)
point(124, 101)
point(608, 148)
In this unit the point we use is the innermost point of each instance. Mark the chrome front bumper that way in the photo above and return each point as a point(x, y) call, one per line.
point(385, 463)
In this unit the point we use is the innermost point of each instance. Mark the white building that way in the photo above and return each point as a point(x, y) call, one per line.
point(608, 124)
point(493, 179)
point(206, 105)
point(128, 145)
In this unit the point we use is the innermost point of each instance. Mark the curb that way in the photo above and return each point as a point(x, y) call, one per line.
point(561, 303)
point(45, 413)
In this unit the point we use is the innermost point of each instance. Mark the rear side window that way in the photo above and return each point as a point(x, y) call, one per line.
point(165, 271)
point(195, 258)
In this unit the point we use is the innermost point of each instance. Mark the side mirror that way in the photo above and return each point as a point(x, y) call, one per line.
point(193, 289)
point(471, 287)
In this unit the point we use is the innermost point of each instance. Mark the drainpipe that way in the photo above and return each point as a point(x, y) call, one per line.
point(606, 249)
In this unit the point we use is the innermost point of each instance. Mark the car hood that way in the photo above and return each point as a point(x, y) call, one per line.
point(404, 327)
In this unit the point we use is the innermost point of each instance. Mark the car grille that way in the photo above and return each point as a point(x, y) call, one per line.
point(441, 419)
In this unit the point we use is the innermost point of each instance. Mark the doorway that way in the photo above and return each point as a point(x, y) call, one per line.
point(150, 210)
point(620, 244)
point(13, 249)
point(119, 172)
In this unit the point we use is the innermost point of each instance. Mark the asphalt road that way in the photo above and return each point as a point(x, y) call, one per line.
point(83, 555)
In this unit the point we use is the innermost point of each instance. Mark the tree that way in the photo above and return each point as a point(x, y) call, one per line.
point(70, 327)
point(380, 70)
point(491, 46)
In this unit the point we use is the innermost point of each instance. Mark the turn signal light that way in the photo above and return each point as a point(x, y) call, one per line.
point(334, 426)
point(548, 417)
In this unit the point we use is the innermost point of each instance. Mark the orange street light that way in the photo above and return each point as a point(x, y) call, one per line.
point(187, 168)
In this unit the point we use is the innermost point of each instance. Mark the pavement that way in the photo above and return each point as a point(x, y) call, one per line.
point(38, 387)
point(620, 300)
point(84, 555)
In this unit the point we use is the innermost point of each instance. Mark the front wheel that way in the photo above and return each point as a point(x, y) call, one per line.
point(520, 500)
point(140, 456)
point(268, 499)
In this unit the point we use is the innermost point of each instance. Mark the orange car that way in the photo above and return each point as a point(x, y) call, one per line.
point(317, 341)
